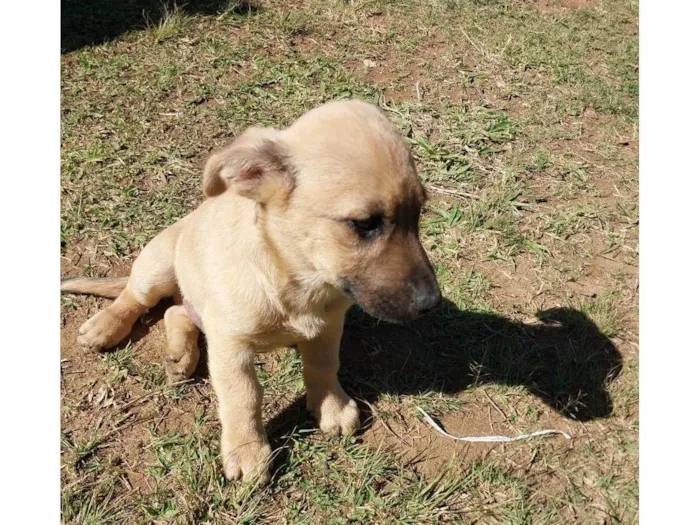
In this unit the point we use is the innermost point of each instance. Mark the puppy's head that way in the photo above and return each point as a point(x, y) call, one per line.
point(339, 198)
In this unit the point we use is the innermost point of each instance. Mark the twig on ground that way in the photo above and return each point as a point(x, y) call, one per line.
point(123, 408)
point(499, 410)
point(447, 191)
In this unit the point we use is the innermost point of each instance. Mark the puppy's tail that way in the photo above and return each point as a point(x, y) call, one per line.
point(104, 287)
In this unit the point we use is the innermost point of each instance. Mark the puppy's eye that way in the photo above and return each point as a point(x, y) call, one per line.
point(367, 227)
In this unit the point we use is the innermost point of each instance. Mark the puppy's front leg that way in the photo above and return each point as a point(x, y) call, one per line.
point(245, 451)
point(334, 410)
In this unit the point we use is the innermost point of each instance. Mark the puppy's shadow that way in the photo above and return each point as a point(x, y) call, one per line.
point(563, 359)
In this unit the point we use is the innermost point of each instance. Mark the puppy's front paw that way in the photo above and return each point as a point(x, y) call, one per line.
point(337, 414)
point(250, 461)
point(102, 331)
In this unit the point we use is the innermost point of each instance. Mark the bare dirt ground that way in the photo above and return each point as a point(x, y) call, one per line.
point(522, 116)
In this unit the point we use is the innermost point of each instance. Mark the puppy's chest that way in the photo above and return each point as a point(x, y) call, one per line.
point(287, 330)
point(305, 323)
point(306, 326)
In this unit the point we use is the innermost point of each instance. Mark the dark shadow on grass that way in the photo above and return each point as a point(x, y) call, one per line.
point(563, 359)
point(92, 22)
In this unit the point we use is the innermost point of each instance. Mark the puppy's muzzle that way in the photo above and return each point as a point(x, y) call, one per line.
point(426, 295)
point(403, 301)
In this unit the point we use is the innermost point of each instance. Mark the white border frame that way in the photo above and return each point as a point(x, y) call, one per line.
point(669, 266)
point(670, 196)
point(30, 215)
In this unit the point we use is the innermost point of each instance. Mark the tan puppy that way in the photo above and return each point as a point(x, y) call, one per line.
point(298, 225)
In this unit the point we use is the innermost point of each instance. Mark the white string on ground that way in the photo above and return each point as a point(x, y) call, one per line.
point(491, 439)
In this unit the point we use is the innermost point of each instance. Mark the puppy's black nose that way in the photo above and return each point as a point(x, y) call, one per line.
point(426, 295)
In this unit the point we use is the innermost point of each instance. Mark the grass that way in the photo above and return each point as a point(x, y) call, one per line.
point(170, 25)
point(522, 117)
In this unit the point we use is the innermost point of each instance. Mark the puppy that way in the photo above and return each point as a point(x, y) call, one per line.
point(298, 225)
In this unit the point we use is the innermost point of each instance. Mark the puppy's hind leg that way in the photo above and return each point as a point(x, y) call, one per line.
point(182, 352)
point(152, 278)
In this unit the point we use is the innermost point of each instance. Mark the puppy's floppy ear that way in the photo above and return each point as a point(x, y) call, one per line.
point(255, 165)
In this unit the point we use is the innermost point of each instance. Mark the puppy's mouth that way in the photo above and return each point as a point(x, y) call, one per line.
point(347, 290)
point(379, 308)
